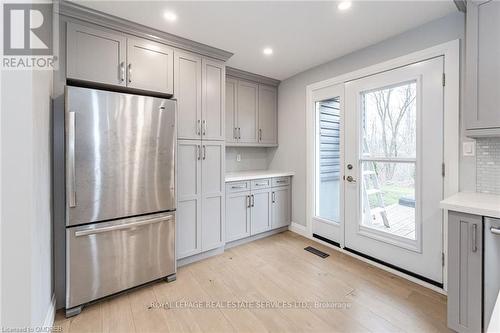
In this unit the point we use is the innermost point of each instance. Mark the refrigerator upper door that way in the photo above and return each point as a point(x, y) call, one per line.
point(119, 155)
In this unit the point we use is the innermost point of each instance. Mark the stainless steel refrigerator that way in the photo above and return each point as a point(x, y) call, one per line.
point(120, 192)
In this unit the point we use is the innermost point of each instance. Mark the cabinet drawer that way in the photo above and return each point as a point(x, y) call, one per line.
point(281, 181)
point(261, 183)
point(237, 186)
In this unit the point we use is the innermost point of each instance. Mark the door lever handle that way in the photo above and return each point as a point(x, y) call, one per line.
point(350, 179)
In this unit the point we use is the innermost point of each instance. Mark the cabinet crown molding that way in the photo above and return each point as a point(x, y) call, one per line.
point(241, 74)
point(76, 11)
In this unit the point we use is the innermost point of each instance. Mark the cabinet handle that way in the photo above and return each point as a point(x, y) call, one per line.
point(198, 152)
point(239, 133)
point(235, 133)
point(204, 127)
point(260, 134)
point(198, 127)
point(129, 73)
point(237, 187)
point(249, 202)
point(274, 197)
point(204, 152)
point(474, 238)
point(253, 200)
point(122, 71)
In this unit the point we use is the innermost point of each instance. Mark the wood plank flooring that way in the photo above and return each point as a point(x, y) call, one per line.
point(274, 269)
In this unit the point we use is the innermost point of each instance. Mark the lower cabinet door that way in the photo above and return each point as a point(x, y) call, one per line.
point(280, 198)
point(238, 215)
point(261, 211)
point(465, 272)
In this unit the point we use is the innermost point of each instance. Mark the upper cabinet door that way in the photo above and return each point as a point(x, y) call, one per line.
point(213, 87)
point(187, 78)
point(96, 55)
point(231, 107)
point(268, 114)
point(483, 66)
point(248, 94)
point(150, 66)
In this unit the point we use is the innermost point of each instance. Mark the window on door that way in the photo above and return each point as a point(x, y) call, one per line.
point(328, 184)
point(388, 159)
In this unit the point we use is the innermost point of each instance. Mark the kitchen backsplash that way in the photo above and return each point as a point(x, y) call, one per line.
point(488, 165)
point(252, 158)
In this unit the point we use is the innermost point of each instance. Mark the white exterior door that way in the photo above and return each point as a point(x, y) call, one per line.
point(393, 167)
point(327, 215)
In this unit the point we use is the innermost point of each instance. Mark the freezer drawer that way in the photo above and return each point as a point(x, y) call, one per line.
point(105, 258)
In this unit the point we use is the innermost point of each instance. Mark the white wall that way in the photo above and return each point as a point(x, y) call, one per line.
point(292, 99)
point(26, 227)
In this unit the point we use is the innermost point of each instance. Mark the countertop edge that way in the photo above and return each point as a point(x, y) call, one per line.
point(473, 203)
point(258, 175)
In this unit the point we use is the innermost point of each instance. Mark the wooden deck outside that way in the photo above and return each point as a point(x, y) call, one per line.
point(401, 221)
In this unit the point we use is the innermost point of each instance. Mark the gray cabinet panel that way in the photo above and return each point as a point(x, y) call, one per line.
point(280, 207)
point(465, 247)
point(150, 66)
point(213, 100)
point(187, 78)
point(231, 108)
point(212, 230)
point(189, 192)
point(261, 211)
point(237, 215)
point(482, 116)
point(268, 114)
point(247, 102)
point(96, 55)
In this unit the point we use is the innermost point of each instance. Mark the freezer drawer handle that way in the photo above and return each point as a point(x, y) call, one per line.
point(71, 159)
point(495, 231)
point(121, 226)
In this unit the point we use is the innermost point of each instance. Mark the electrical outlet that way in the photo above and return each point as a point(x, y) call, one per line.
point(238, 157)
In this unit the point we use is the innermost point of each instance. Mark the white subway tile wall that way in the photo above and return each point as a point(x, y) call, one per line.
point(488, 165)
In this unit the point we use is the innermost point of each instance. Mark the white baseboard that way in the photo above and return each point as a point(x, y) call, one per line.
point(298, 229)
point(51, 313)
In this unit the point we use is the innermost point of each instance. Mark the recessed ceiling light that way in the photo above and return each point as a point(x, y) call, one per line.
point(170, 16)
point(267, 51)
point(344, 5)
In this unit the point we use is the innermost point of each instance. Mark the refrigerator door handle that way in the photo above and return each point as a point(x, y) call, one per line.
point(121, 226)
point(71, 159)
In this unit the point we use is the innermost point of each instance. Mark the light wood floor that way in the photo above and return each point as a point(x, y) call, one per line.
point(272, 269)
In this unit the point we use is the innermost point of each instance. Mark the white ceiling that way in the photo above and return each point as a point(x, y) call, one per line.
point(302, 34)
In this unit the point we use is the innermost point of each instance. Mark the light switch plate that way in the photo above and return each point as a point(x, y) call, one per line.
point(469, 148)
point(238, 157)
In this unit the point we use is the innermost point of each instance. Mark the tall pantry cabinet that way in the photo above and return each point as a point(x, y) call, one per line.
point(199, 87)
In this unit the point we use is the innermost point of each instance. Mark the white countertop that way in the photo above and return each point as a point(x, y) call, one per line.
point(256, 174)
point(473, 203)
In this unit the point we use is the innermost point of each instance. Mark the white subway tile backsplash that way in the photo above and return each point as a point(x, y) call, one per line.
point(488, 165)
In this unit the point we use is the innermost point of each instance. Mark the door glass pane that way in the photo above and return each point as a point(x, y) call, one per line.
point(389, 121)
point(328, 159)
point(388, 197)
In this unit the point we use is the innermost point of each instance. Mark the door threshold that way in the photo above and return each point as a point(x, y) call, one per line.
point(391, 266)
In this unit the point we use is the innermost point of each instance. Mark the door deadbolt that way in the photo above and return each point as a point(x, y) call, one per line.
point(349, 166)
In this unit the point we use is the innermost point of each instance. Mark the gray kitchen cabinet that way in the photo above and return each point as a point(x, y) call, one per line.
point(103, 56)
point(280, 207)
point(482, 116)
point(261, 211)
point(238, 215)
point(97, 55)
point(465, 248)
point(189, 198)
point(231, 108)
point(200, 196)
point(247, 111)
point(150, 66)
point(268, 114)
point(212, 178)
point(213, 100)
point(187, 91)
